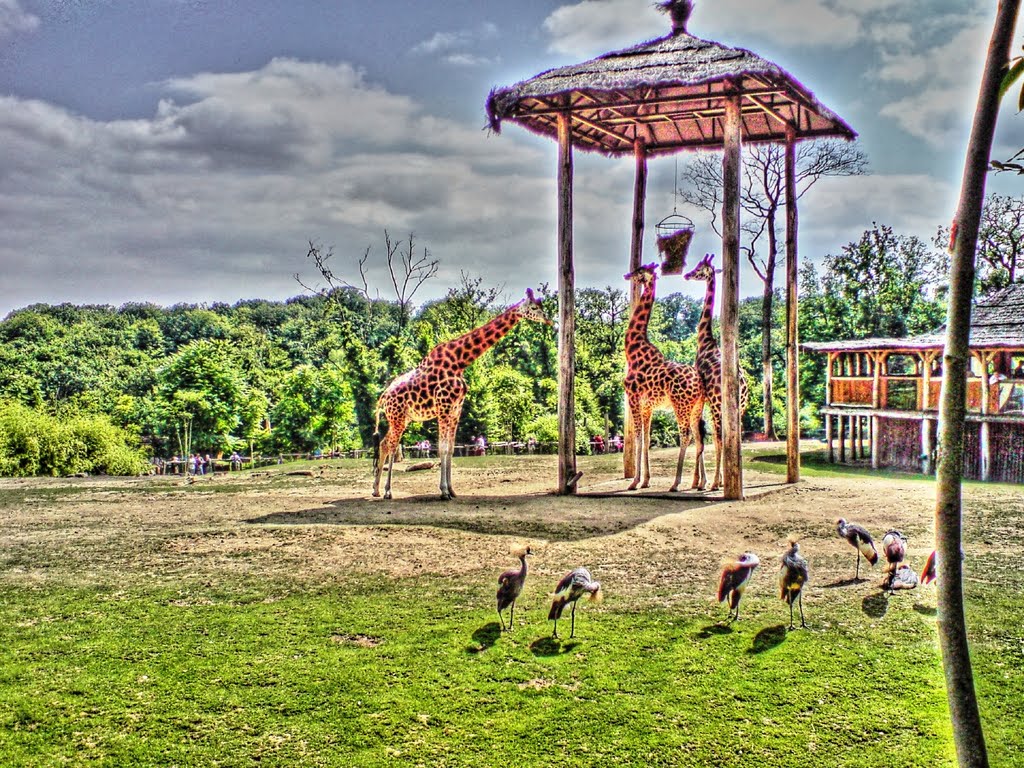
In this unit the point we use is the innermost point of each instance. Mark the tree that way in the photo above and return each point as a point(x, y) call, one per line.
point(205, 398)
point(1000, 253)
point(968, 734)
point(762, 196)
point(883, 284)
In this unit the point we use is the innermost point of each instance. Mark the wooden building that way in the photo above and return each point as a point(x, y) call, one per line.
point(882, 395)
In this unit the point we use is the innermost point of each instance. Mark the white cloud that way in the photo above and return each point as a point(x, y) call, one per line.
point(591, 27)
point(455, 47)
point(945, 80)
point(14, 19)
point(215, 197)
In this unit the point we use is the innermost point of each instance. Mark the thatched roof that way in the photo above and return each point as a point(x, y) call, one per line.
point(997, 322)
point(671, 93)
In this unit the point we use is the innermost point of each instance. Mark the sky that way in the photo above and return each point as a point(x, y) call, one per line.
point(174, 151)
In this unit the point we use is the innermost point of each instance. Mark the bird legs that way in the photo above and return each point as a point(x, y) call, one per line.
point(511, 618)
point(802, 622)
point(572, 629)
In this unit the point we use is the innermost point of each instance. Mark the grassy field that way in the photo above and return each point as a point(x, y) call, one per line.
point(151, 623)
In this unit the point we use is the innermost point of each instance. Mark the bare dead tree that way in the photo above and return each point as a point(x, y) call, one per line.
point(408, 272)
point(763, 195)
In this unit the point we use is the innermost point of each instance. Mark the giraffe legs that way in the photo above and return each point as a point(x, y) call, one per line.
point(386, 453)
point(716, 422)
point(446, 427)
point(642, 453)
point(684, 443)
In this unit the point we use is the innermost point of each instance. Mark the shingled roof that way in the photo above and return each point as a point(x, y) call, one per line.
point(669, 92)
point(997, 322)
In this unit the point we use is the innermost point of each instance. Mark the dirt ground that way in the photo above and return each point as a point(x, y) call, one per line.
point(649, 546)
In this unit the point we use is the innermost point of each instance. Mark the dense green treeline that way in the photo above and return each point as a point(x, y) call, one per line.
point(115, 386)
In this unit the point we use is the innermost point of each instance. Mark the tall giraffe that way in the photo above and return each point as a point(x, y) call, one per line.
point(652, 382)
point(709, 361)
point(435, 389)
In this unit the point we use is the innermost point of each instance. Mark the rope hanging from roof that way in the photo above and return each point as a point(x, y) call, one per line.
point(674, 234)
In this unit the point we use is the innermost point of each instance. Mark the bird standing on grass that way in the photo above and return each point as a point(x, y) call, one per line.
point(792, 577)
point(570, 589)
point(860, 539)
point(902, 578)
point(894, 545)
point(928, 573)
point(510, 585)
point(735, 577)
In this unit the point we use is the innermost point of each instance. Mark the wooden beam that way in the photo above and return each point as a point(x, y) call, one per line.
point(792, 322)
point(567, 474)
point(635, 256)
point(732, 469)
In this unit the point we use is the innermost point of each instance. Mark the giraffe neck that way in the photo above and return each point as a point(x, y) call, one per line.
point(636, 333)
point(468, 347)
point(706, 345)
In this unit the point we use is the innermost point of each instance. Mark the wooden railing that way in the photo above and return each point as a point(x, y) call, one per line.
point(904, 393)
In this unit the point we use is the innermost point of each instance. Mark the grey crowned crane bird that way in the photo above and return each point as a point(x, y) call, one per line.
point(928, 573)
point(903, 577)
point(570, 589)
point(510, 585)
point(735, 577)
point(792, 577)
point(894, 545)
point(860, 540)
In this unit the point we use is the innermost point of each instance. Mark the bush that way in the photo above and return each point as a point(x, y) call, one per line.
point(35, 443)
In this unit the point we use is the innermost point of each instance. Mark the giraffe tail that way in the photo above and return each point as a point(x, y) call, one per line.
point(702, 427)
point(377, 436)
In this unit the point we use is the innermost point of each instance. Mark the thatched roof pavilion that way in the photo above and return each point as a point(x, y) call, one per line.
point(670, 93)
point(673, 93)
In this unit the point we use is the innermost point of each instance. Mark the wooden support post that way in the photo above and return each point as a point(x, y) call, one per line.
point(855, 438)
point(792, 323)
point(875, 442)
point(842, 439)
point(985, 445)
point(635, 256)
point(828, 439)
point(567, 474)
point(732, 469)
point(926, 446)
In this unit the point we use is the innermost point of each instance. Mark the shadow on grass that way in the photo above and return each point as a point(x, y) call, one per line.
point(551, 646)
point(485, 637)
point(843, 583)
point(768, 638)
point(926, 610)
point(875, 605)
point(718, 628)
point(489, 514)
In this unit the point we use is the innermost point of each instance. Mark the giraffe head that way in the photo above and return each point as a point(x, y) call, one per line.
point(644, 276)
point(530, 309)
point(705, 269)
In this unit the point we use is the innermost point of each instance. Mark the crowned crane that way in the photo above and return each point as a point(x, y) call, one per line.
point(735, 577)
point(792, 577)
point(928, 573)
point(861, 540)
point(894, 545)
point(510, 585)
point(903, 577)
point(570, 589)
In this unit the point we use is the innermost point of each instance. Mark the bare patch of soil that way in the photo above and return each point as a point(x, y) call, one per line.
point(649, 546)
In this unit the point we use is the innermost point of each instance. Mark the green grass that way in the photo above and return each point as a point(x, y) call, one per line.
point(175, 669)
point(415, 672)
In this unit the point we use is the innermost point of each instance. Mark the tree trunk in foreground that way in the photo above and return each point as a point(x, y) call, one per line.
point(963, 704)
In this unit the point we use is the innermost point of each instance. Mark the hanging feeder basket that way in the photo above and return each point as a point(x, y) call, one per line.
point(674, 234)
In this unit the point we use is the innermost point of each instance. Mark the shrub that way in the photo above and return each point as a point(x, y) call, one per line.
point(35, 443)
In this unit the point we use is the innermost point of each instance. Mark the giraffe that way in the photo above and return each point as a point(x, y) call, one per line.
point(709, 361)
point(652, 381)
point(435, 389)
